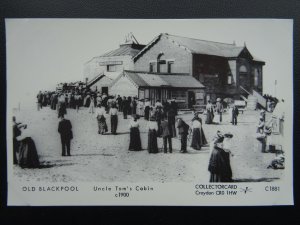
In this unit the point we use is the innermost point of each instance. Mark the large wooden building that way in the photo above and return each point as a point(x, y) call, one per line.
point(226, 70)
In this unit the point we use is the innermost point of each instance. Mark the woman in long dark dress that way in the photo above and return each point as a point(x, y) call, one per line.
point(135, 138)
point(28, 157)
point(171, 121)
point(152, 136)
point(147, 110)
point(198, 138)
point(219, 162)
point(209, 113)
point(113, 112)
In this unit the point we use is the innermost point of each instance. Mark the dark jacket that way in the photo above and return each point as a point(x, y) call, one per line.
point(65, 129)
point(183, 128)
point(165, 129)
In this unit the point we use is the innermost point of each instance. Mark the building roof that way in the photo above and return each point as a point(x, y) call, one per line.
point(197, 46)
point(125, 49)
point(110, 75)
point(143, 79)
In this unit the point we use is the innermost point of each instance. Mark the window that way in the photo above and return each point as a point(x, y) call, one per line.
point(229, 79)
point(141, 93)
point(243, 69)
point(151, 67)
point(111, 68)
point(147, 95)
point(170, 63)
point(179, 94)
point(160, 61)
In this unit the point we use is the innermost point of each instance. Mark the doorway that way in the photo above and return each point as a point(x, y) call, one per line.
point(104, 90)
point(191, 99)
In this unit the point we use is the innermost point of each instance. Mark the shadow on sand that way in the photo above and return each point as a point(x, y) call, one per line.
point(50, 165)
point(93, 154)
point(264, 179)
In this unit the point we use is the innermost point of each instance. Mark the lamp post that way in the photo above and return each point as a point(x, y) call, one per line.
point(275, 87)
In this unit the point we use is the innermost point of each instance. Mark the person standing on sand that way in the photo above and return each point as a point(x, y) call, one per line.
point(135, 138)
point(113, 112)
point(66, 134)
point(209, 113)
point(100, 115)
point(234, 114)
point(219, 110)
point(198, 138)
point(92, 105)
point(147, 109)
point(39, 100)
point(183, 130)
point(125, 107)
point(219, 164)
point(152, 136)
point(166, 135)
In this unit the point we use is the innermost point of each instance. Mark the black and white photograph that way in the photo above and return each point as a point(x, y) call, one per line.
point(132, 111)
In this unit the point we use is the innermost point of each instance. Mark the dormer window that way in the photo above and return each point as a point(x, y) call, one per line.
point(170, 65)
point(152, 67)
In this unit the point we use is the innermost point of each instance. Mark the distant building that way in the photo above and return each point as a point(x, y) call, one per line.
point(163, 87)
point(226, 70)
point(100, 71)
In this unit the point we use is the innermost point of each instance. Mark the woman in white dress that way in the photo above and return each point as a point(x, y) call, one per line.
point(135, 139)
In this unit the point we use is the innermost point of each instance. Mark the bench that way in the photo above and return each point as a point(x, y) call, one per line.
point(241, 105)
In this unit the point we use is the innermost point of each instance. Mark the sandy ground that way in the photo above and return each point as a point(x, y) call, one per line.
point(107, 159)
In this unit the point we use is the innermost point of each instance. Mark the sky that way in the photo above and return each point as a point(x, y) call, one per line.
point(44, 52)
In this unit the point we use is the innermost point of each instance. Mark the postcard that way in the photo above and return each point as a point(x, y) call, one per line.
point(179, 112)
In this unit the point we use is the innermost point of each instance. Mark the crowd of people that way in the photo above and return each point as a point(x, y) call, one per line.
point(162, 122)
point(270, 134)
point(214, 113)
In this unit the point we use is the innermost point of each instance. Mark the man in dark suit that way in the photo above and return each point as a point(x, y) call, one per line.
point(166, 135)
point(183, 130)
point(65, 130)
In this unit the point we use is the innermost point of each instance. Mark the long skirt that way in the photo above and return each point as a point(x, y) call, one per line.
point(102, 127)
point(198, 139)
point(135, 139)
point(114, 123)
point(209, 117)
point(28, 157)
point(159, 132)
point(152, 141)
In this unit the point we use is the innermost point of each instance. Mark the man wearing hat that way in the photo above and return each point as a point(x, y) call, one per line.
point(166, 134)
